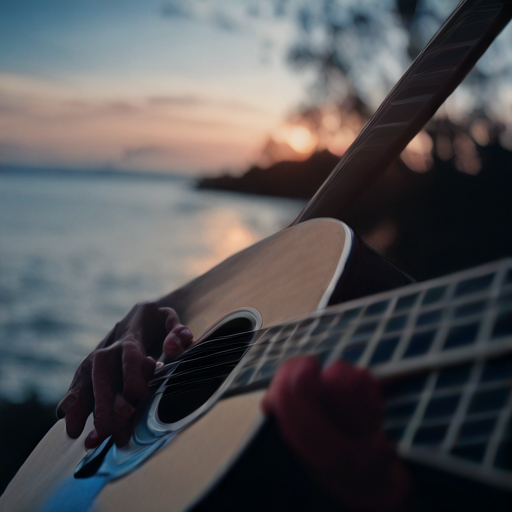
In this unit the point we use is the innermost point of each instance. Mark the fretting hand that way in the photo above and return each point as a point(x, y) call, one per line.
point(113, 379)
point(332, 421)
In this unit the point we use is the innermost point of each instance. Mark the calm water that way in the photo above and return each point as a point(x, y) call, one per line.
point(76, 252)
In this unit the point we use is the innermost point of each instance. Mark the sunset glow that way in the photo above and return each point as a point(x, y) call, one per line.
point(418, 153)
point(225, 234)
point(298, 137)
point(301, 139)
point(134, 86)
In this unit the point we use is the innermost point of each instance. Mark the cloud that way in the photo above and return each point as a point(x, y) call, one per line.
point(188, 100)
point(66, 128)
point(197, 10)
point(223, 21)
point(147, 151)
point(176, 9)
point(8, 108)
point(119, 107)
point(178, 100)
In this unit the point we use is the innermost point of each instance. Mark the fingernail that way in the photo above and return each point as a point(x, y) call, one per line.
point(93, 435)
point(172, 343)
point(159, 365)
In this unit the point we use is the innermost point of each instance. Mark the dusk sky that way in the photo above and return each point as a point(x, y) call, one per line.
point(150, 85)
point(192, 86)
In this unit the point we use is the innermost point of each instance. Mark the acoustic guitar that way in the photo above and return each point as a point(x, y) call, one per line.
point(447, 343)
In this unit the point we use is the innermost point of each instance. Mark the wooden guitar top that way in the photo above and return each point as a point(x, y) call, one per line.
point(284, 277)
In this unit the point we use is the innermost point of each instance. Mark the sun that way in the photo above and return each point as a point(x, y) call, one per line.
point(301, 139)
point(298, 137)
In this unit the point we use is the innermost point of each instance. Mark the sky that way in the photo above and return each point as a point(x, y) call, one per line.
point(174, 87)
point(196, 86)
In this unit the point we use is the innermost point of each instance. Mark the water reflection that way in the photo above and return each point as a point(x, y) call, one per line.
point(77, 252)
point(223, 233)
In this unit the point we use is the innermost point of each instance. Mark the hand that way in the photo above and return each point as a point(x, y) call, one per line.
point(113, 380)
point(332, 421)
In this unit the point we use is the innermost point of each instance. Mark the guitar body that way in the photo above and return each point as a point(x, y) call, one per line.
point(284, 277)
point(174, 478)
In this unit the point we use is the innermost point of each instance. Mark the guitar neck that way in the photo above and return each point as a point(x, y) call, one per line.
point(430, 79)
point(446, 347)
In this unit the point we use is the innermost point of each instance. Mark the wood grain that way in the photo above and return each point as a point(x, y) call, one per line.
point(284, 276)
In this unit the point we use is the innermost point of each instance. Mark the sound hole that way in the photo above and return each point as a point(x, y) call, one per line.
point(204, 368)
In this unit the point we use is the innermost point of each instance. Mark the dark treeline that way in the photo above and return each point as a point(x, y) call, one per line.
point(428, 224)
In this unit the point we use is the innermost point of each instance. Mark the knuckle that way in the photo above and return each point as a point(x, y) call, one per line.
point(100, 355)
point(86, 365)
point(130, 343)
point(132, 362)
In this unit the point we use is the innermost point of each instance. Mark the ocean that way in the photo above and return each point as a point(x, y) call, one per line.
point(78, 250)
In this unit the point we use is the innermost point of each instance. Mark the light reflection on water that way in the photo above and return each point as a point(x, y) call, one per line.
point(77, 252)
point(223, 233)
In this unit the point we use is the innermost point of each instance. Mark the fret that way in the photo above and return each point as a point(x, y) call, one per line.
point(446, 346)
point(425, 324)
point(413, 425)
point(443, 321)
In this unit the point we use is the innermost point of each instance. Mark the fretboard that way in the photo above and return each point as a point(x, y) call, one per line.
point(431, 78)
point(446, 345)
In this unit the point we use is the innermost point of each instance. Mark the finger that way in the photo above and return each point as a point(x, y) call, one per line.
point(287, 375)
point(82, 406)
point(123, 411)
point(135, 386)
point(122, 416)
point(122, 437)
point(362, 474)
point(184, 334)
point(172, 318)
point(351, 398)
point(294, 401)
point(66, 403)
point(76, 417)
point(106, 377)
point(148, 368)
point(93, 439)
point(172, 346)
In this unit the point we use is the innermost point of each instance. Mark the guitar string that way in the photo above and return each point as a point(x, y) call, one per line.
point(191, 385)
point(201, 349)
point(206, 357)
point(216, 354)
point(205, 367)
point(175, 376)
point(194, 370)
point(205, 345)
point(200, 368)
